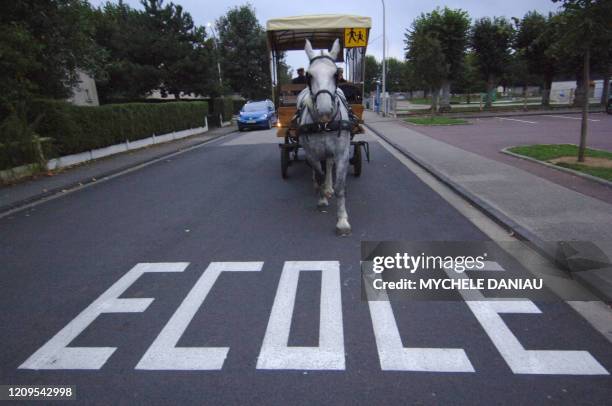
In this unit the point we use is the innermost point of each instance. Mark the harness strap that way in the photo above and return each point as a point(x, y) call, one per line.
point(318, 127)
point(339, 125)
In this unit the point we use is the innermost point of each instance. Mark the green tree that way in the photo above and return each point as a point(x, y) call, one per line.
point(470, 80)
point(131, 69)
point(534, 43)
point(372, 73)
point(426, 56)
point(55, 36)
point(19, 63)
point(587, 23)
point(158, 47)
point(244, 53)
point(450, 28)
point(395, 75)
point(491, 40)
point(183, 54)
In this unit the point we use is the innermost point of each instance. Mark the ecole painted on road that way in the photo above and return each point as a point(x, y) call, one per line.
point(164, 354)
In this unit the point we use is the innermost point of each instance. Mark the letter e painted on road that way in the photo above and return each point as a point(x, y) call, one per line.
point(56, 354)
point(520, 360)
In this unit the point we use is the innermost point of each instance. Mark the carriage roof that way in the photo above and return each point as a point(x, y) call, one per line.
point(289, 33)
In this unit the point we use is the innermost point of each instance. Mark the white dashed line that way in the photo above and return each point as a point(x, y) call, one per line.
point(571, 118)
point(515, 119)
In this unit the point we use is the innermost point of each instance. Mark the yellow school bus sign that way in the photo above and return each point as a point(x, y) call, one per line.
point(355, 37)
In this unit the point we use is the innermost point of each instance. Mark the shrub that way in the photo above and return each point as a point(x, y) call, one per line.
point(76, 129)
point(223, 106)
point(237, 105)
point(213, 121)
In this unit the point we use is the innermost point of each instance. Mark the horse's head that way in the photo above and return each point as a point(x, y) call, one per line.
point(322, 81)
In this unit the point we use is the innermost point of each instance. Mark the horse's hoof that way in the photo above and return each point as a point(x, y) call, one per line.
point(343, 232)
point(343, 228)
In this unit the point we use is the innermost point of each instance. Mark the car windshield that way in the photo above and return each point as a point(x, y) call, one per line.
point(254, 107)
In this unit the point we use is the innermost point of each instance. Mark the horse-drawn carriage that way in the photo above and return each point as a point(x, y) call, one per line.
point(291, 33)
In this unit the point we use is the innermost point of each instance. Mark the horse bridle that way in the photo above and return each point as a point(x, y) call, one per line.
point(323, 91)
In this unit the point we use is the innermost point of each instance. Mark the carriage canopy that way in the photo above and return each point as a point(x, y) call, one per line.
point(289, 33)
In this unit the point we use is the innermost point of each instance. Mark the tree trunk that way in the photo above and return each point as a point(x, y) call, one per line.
point(435, 93)
point(585, 105)
point(580, 91)
point(548, 79)
point(445, 100)
point(605, 94)
point(489, 97)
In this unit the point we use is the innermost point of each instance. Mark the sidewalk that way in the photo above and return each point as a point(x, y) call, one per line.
point(538, 111)
point(22, 193)
point(534, 208)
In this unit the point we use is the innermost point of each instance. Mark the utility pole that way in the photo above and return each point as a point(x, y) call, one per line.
point(384, 64)
point(212, 28)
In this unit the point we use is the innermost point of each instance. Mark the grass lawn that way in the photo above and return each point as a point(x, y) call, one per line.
point(420, 101)
point(436, 120)
point(543, 152)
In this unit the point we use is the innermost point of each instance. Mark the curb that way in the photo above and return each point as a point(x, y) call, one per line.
point(10, 208)
point(508, 113)
point(559, 168)
point(547, 249)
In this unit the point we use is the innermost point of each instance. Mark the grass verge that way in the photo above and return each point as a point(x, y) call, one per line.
point(436, 120)
point(546, 153)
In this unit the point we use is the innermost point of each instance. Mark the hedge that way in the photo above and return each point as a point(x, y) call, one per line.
point(77, 129)
point(80, 128)
point(238, 103)
point(223, 106)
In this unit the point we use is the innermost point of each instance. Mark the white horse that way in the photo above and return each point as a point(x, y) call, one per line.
point(324, 129)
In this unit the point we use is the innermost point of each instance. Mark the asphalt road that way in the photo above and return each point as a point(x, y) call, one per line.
point(226, 203)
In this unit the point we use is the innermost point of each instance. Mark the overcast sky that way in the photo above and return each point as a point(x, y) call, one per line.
point(400, 14)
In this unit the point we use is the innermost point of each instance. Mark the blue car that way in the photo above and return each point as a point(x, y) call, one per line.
point(257, 114)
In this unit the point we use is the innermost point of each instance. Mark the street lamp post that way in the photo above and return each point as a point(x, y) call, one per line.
point(212, 28)
point(384, 65)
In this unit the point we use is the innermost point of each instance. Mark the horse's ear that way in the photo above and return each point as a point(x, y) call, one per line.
point(335, 50)
point(308, 49)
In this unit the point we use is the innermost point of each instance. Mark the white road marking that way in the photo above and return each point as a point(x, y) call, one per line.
point(595, 312)
point(520, 360)
point(329, 355)
point(56, 354)
point(515, 119)
point(489, 266)
point(570, 118)
point(163, 354)
point(394, 357)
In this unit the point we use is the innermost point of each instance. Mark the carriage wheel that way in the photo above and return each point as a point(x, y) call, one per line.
point(356, 161)
point(284, 161)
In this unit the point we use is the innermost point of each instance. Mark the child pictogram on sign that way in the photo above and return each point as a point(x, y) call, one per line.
point(354, 37)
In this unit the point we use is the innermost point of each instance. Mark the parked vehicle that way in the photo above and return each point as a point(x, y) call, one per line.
point(257, 114)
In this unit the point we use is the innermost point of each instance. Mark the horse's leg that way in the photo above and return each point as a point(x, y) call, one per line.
point(318, 177)
point(342, 162)
point(328, 190)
